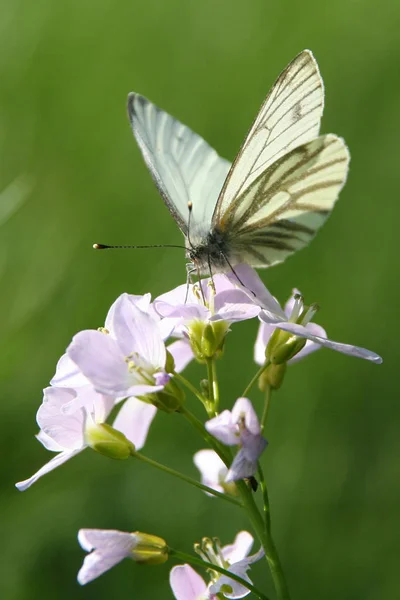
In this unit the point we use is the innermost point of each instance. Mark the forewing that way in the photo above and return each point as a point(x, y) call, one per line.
point(282, 210)
point(289, 117)
point(184, 167)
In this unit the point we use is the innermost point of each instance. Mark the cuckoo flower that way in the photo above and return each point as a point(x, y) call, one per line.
point(127, 360)
point(68, 418)
point(239, 427)
point(295, 325)
point(186, 584)
point(108, 547)
point(203, 312)
point(265, 331)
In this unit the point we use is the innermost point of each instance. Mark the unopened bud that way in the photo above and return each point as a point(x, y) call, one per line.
point(272, 376)
point(108, 441)
point(149, 549)
point(207, 339)
point(283, 346)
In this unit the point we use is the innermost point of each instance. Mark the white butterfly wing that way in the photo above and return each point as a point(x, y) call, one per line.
point(183, 166)
point(289, 117)
point(281, 211)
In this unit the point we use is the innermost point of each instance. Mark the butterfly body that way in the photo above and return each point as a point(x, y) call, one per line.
point(273, 198)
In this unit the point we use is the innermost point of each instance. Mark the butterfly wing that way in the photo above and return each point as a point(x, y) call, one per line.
point(281, 211)
point(289, 117)
point(183, 166)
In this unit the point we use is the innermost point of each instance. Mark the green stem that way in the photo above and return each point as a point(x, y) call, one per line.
point(222, 452)
point(210, 566)
point(213, 384)
point(263, 485)
point(271, 553)
point(267, 403)
point(183, 477)
point(256, 377)
point(190, 387)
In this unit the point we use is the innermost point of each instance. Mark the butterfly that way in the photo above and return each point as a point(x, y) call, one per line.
point(277, 193)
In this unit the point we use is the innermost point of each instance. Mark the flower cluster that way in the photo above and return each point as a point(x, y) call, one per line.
point(132, 367)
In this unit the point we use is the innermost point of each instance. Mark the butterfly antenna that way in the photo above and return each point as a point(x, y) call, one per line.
point(106, 247)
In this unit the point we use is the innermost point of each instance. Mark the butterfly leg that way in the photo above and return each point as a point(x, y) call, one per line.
point(190, 269)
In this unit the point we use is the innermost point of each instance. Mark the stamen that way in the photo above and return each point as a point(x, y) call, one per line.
point(309, 314)
point(297, 308)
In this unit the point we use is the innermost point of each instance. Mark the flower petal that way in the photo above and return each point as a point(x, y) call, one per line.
point(223, 428)
point(55, 462)
point(264, 333)
point(234, 305)
point(240, 548)
point(241, 467)
point(243, 409)
point(182, 354)
point(68, 374)
point(256, 290)
point(109, 548)
point(100, 359)
point(134, 419)
point(310, 346)
point(212, 469)
point(339, 347)
point(186, 584)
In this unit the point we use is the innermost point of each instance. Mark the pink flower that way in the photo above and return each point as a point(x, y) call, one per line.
point(300, 317)
point(266, 330)
point(186, 584)
point(239, 427)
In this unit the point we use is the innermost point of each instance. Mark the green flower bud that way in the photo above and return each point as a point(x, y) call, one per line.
point(108, 441)
point(207, 339)
point(282, 346)
point(169, 363)
point(272, 376)
point(149, 549)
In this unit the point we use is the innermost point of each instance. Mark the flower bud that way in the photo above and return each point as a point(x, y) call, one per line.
point(108, 441)
point(207, 339)
point(149, 549)
point(169, 399)
point(283, 346)
point(272, 376)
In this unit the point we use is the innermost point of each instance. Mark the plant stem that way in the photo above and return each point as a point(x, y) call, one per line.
point(213, 384)
point(222, 452)
point(191, 387)
point(183, 477)
point(267, 403)
point(255, 378)
point(210, 566)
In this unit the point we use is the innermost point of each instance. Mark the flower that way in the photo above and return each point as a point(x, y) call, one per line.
point(213, 471)
point(266, 330)
point(296, 324)
point(202, 313)
point(68, 418)
point(186, 584)
point(239, 427)
point(126, 360)
point(108, 547)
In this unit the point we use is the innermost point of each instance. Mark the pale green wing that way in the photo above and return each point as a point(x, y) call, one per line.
point(289, 117)
point(282, 210)
point(183, 166)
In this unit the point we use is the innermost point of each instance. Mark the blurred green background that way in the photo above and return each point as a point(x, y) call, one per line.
point(333, 460)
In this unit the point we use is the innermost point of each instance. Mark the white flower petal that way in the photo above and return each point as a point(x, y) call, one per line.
point(256, 290)
point(55, 462)
point(182, 354)
point(186, 584)
point(243, 409)
point(240, 548)
point(134, 419)
point(223, 428)
point(212, 469)
point(339, 347)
